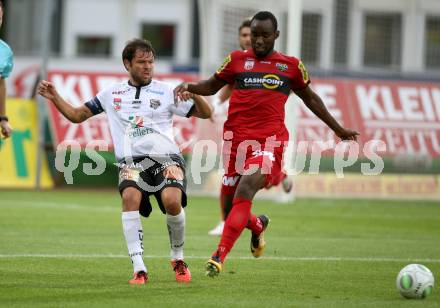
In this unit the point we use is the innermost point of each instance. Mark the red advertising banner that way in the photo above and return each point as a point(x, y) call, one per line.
point(404, 115)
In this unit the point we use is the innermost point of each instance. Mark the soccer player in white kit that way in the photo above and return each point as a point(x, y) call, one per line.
point(139, 113)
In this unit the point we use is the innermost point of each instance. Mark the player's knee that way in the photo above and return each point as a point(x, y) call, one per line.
point(173, 207)
point(172, 200)
point(131, 198)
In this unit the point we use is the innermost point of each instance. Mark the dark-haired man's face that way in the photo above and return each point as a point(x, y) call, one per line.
point(263, 36)
point(141, 67)
point(244, 38)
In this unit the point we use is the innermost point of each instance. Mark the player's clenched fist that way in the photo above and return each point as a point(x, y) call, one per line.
point(47, 89)
point(180, 90)
point(347, 134)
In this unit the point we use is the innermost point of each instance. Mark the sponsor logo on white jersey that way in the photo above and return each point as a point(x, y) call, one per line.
point(155, 92)
point(117, 104)
point(154, 103)
point(136, 104)
point(121, 92)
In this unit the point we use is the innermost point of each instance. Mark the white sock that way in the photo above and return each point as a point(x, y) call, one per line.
point(132, 226)
point(176, 230)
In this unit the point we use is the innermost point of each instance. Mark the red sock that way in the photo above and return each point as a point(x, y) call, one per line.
point(234, 225)
point(254, 224)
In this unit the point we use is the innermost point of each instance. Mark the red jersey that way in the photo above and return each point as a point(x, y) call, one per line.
point(261, 87)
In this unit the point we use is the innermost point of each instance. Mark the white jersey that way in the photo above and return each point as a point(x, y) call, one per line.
point(140, 118)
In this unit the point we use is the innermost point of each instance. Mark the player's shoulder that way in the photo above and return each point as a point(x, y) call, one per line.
point(286, 58)
point(161, 84)
point(115, 88)
point(6, 55)
point(5, 50)
point(119, 86)
point(160, 87)
point(239, 54)
point(293, 65)
point(6, 59)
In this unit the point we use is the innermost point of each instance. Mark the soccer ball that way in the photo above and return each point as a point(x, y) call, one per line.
point(415, 281)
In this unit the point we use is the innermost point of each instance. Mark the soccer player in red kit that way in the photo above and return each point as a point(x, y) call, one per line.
point(244, 38)
point(254, 132)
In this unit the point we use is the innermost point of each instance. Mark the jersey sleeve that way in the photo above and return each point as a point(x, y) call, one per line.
point(226, 72)
point(184, 108)
point(301, 78)
point(98, 103)
point(95, 105)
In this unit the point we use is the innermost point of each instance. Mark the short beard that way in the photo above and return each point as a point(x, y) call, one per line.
point(262, 55)
point(140, 81)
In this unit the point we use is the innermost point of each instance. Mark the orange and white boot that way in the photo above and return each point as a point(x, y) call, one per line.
point(182, 271)
point(139, 278)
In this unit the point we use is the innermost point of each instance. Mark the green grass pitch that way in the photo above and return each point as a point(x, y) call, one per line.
point(66, 249)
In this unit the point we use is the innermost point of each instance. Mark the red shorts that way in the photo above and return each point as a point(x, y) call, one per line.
point(242, 159)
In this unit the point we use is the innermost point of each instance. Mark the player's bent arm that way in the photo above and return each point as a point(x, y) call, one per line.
point(202, 108)
point(316, 105)
point(73, 114)
point(206, 87)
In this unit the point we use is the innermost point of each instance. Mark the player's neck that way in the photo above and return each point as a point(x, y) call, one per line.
point(270, 53)
point(133, 83)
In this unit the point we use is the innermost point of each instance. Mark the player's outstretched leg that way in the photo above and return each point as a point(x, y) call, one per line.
point(258, 244)
point(234, 225)
point(236, 220)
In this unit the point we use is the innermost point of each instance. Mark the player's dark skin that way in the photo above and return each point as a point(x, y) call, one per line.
point(263, 36)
